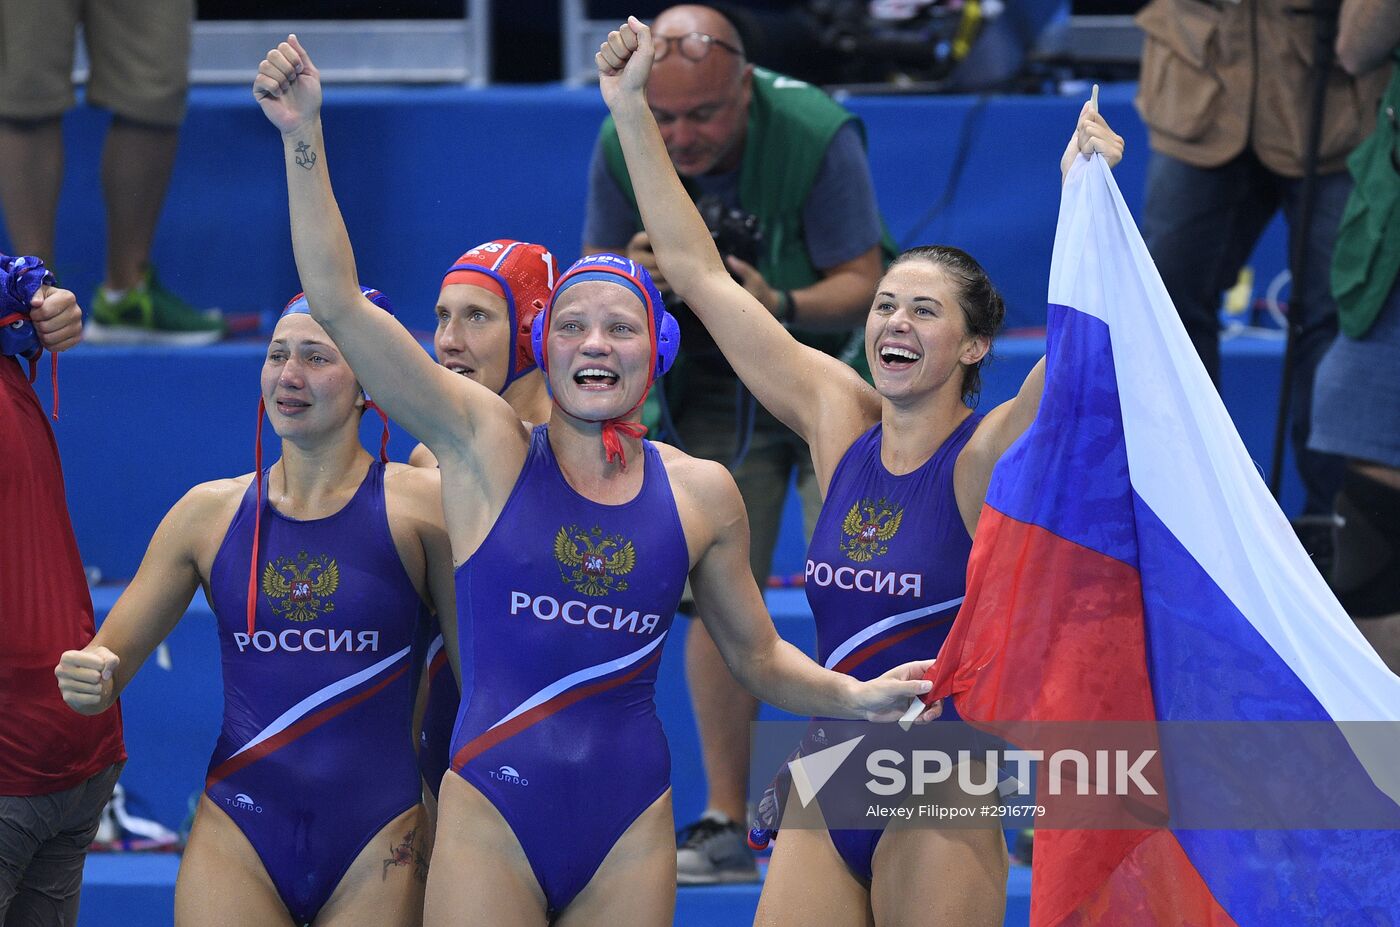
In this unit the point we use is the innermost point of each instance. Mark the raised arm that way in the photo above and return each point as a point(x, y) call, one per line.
point(997, 431)
point(91, 679)
point(804, 388)
point(447, 412)
point(1008, 421)
point(764, 663)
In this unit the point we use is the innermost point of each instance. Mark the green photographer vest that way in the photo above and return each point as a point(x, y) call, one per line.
point(791, 124)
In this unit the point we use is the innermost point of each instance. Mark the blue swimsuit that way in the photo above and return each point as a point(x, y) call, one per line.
point(885, 574)
point(563, 613)
point(316, 753)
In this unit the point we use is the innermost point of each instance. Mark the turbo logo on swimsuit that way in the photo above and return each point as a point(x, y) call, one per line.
point(592, 561)
point(297, 588)
point(868, 527)
point(242, 802)
point(508, 774)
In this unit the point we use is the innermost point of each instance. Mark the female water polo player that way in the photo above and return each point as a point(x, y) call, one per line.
point(488, 300)
point(903, 469)
point(573, 542)
point(311, 809)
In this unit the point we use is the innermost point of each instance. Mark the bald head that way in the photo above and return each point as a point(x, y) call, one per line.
point(690, 17)
point(700, 105)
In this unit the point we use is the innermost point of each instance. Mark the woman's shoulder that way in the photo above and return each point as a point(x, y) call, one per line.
point(707, 484)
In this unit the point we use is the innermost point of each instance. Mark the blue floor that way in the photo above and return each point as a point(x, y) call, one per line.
point(139, 891)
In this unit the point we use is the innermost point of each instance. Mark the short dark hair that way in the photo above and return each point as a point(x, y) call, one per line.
point(983, 308)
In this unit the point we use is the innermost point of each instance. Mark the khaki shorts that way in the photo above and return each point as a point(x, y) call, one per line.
point(139, 52)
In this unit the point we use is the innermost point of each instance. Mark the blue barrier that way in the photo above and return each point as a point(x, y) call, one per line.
point(422, 173)
point(141, 425)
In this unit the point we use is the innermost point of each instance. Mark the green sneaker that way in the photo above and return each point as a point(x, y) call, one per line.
point(151, 314)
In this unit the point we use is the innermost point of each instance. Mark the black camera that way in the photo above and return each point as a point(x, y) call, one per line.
point(918, 41)
point(736, 232)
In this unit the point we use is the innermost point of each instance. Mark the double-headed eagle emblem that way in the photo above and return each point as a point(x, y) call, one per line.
point(593, 562)
point(868, 526)
point(297, 587)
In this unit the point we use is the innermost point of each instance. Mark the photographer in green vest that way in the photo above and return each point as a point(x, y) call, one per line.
point(779, 171)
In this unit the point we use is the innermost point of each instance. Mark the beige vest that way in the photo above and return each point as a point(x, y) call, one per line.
point(1220, 75)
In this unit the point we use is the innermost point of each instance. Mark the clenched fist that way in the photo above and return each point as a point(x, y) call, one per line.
point(85, 678)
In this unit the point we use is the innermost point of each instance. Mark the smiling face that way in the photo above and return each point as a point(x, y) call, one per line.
point(473, 336)
point(309, 389)
point(599, 350)
point(916, 336)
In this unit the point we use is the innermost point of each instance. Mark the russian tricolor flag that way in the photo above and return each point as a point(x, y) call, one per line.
point(1130, 565)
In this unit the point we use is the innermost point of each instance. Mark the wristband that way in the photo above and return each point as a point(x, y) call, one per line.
point(786, 307)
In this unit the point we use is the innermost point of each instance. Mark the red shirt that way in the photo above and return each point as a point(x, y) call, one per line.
point(45, 609)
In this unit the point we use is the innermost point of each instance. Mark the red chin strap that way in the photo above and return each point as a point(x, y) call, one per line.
point(384, 432)
point(33, 361)
point(257, 520)
point(612, 443)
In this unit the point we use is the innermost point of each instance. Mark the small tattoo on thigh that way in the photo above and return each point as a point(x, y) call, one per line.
point(407, 853)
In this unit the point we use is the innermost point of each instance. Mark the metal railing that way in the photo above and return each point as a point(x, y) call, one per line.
point(455, 51)
point(580, 38)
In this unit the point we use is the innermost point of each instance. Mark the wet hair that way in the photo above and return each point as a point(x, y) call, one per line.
point(982, 306)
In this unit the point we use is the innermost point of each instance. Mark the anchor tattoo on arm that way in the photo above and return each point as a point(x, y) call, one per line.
point(306, 158)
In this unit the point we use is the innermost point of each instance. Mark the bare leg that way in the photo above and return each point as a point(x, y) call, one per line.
point(723, 712)
point(940, 876)
point(430, 809)
point(222, 882)
point(1382, 630)
point(137, 162)
point(32, 155)
point(384, 885)
point(808, 883)
point(479, 874)
point(636, 884)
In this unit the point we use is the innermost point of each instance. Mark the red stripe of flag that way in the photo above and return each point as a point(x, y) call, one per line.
point(1052, 631)
point(1154, 883)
